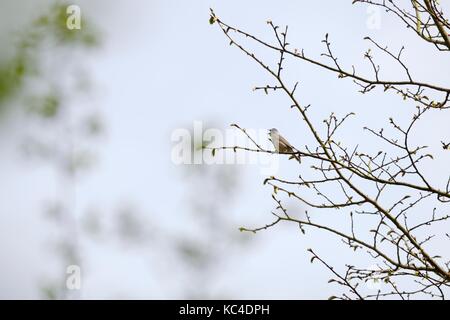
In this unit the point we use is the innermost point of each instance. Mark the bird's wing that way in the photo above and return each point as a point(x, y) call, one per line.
point(283, 141)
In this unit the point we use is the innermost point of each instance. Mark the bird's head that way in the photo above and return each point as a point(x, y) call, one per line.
point(273, 130)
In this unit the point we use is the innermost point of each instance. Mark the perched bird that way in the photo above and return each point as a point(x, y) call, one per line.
point(281, 144)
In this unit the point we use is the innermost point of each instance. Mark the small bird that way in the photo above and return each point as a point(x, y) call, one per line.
point(281, 144)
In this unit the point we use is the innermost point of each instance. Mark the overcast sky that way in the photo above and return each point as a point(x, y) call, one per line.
point(162, 66)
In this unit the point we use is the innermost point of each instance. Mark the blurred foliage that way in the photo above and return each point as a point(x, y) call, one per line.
point(50, 292)
point(36, 76)
point(197, 241)
point(49, 30)
point(197, 256)
point(12, 74)
point(129, 226)
point(47, 105)
point(210, 193)
point(55, 23)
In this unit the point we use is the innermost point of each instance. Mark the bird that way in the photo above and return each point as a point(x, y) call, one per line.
point(281, 144)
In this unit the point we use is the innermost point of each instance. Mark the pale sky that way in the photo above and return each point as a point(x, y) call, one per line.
point(162, 66)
